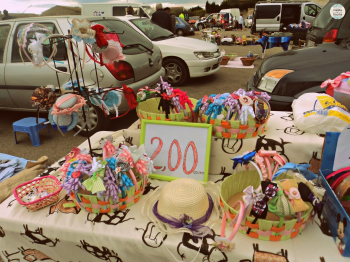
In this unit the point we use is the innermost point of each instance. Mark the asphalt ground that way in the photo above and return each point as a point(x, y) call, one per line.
point(225, 80)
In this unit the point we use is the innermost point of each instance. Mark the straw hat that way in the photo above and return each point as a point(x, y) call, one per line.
point(184, 205)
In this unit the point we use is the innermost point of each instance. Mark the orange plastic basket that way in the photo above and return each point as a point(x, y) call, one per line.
point(49, 183)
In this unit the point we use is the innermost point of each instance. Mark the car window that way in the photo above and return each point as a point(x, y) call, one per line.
point(127, 36)
point(151, 30)
point(149, 10)
point(17, 57)
point(318, 9)
point(267, 11)
point(177, 21)
point(119, 10)
point(210, 17)
point(311, 10)
point(344, 28)
point(4, 32)
point(324, 17)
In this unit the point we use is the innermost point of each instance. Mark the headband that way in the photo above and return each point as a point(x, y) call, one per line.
point(223, 243)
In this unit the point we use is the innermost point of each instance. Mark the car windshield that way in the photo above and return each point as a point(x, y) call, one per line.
point(324, 17)
point(149, 10)
point(128, 36)
point(152, 30)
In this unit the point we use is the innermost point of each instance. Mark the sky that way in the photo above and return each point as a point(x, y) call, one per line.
point(38, 6)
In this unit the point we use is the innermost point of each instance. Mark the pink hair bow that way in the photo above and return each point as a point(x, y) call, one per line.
point(126, 155)
point(331, 84)
point(345, 75)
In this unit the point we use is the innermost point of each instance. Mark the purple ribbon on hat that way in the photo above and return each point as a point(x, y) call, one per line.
point(196, 227)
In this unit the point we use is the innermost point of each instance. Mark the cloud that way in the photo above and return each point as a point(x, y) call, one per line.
point(38, 6)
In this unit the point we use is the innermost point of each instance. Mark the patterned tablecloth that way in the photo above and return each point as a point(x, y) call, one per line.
point(58, 234)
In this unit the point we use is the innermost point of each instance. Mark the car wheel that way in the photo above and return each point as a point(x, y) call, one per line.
point(176, 72)
point(96, 121)
point(200, 27)
point(180, 32)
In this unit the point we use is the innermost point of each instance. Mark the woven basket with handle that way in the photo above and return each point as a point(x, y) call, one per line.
point(149, 110)
point(233, 129)
point(263, 229)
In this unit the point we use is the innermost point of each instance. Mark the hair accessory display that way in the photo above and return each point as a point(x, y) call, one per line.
point(111, 179)
point(235, 116)
point(299, 168)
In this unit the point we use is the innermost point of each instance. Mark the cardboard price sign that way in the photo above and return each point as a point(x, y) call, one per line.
point(178, 149)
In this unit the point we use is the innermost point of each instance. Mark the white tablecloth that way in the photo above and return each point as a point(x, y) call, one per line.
point(57, 234)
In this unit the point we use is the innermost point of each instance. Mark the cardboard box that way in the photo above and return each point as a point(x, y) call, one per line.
point(335, 215)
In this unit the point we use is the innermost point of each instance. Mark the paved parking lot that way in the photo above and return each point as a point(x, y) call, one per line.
point(225, 80)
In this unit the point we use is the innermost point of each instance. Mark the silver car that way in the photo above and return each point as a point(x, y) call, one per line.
point(142, 65)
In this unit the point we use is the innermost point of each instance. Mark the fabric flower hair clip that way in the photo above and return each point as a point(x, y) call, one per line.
point(43, 98)
point(82, 31)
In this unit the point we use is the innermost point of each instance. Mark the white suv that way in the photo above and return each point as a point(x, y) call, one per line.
point(142, 65)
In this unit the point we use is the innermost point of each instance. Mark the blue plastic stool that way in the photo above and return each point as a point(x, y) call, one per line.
point(29, 125)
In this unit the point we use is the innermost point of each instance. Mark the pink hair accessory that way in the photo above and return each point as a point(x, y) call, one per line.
point(345, 75)
point(223, 243)
point(85, 157)
point(260, 161)
point(331, 84)
point(126, 155)
point(108, 149)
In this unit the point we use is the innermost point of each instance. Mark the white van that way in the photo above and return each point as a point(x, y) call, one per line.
point(235, 12)
point(116, 9)
point(273, 16)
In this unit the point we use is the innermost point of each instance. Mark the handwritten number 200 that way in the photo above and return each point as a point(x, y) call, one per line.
point(179, 154)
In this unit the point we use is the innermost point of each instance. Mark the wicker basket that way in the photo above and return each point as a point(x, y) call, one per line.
point(49, 183)
point(247, 61)
point(149, 110)
point(233, 129)
point(225, 60)
point(264, 229)
point(93, 204)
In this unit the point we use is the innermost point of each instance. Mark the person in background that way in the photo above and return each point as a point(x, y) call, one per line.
point(6, 15)
point(172, 19)
point(130, 11)
point(182, 16)
point(303, 22)
point(161, 18)
point(240, 22)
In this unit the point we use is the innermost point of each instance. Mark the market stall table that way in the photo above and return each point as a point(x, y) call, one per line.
point(268, 42)
point(58, 234)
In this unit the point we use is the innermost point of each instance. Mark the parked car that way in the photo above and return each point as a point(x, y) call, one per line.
point(142, 65)
point(182, 57)
point(286, 76)
point(248, 21)
point(116, 9)
point(208, 21)
point(182, 28)
point(274, 16)
point(326, 29)
point(193, 19)
point(235, 12)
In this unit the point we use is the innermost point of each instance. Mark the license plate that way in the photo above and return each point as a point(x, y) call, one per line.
point(220, 59)
point(310, 43)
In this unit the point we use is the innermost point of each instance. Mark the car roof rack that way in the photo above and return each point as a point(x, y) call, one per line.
point(282, 1)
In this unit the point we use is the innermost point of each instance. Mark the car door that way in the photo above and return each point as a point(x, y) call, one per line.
point(310, 11)
point(268, 17)
point(22, 77)
point(5, 32)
